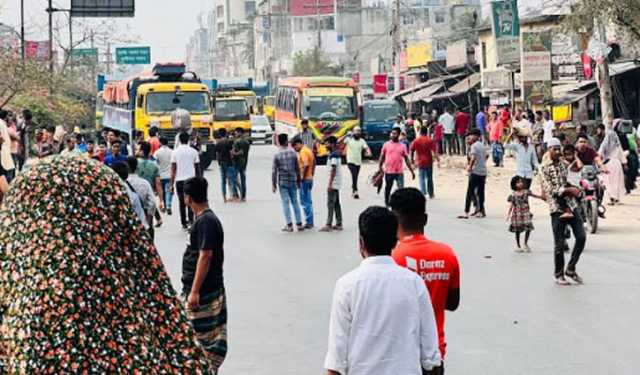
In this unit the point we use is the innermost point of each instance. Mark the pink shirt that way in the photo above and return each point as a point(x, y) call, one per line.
point(394, 154)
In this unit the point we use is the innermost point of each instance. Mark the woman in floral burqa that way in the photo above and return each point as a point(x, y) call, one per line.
point(82, 289)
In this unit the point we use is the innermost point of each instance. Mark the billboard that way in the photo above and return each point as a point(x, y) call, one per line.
point(457, 54)
point(536, 67)
point(103, 8)
point(506, 30)
point(419, 54)
point(566, 58)
point(36, 50)
point(311, 7)
point(380, 84)
point(133, 55)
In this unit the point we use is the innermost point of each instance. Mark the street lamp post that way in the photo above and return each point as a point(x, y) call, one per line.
point(22, 50)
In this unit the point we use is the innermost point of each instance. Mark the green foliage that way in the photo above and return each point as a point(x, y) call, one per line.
point(314, 63)
point(622, 13)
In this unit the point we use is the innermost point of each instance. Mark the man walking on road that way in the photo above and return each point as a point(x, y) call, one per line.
point(148, 169)
point(185, 164)
point(554, 185)
point(435, 262)
point(526, 157)
point(356, 146)
point(449, 126)
point(334, 164)
point(477, 169)
point(285, 176)
point(382, 321)
point(163, 157)
point(240, 154)
point(202, 275)
point(307, 164)
point(143, 188)
point(423, 151)
point(224, 148)
point(391, 157)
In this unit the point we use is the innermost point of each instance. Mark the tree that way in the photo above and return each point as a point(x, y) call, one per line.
point(314, 62)
point(591, 17)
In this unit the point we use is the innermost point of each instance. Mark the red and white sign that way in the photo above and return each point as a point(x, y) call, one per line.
point(36, 50)
point(380, 84)
point(311, 7)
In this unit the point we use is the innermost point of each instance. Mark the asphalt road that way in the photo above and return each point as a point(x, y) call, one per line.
point(512, 319)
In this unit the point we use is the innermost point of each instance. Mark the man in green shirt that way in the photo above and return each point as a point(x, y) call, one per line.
point(240, 155)
point(148, 170)
point(356, 146)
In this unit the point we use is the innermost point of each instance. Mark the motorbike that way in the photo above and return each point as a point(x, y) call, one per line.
point(592, 207)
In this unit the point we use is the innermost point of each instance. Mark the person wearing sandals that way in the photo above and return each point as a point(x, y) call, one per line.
point(333, 189)
point(554, 185)
point(520, 217)
point(477, 169)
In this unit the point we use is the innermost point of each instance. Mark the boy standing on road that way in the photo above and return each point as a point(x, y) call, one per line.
point(391, 156)
point(240, 154)
point(435, 262)
point(356, 146)
point(185, 164)
point(163, 157)
point(224, 147)
point(382, 321)
point(285, 176)
point(477, 169)
point(334, 163)
point(202, 275)
point(423, 151)
point(307, 163)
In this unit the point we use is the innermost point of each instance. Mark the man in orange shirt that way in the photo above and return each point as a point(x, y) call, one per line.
point(307, 163)
point(435, 262)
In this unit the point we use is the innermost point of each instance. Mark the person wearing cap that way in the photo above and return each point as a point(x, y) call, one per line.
point(554, 187)
point(526, 158)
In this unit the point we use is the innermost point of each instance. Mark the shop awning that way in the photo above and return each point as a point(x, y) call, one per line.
point(423, 94)
point(574, 96)
point(432, 81)
point(622, 67)
point(459, 88)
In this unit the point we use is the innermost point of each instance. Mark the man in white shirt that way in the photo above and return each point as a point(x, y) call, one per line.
point(548, 127)
point(449, 126)
point(163, 158)
point(185, 164)
point(382, 320)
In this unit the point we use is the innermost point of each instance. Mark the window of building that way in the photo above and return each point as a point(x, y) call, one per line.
point(328, 23)
point(220, 11)
point(220, 27)
point(484, 55)
point(298, 24)
point(249, 8)
point(440, 16)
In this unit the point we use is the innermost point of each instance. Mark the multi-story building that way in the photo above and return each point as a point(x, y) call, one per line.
point(234, 47)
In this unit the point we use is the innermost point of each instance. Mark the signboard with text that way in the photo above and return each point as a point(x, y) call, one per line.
point(103, 8)
point(133, 55)
point(506, 30)
point(36, 50)
point(419, 54)
point(566, 58)
point(380, 84)
point(496, 80)
point(84, 54)
point(457, 54)
point(536, 67)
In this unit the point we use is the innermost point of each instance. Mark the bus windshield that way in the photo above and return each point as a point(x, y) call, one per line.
point(167, 102)
point(381, 112)
point(329, 107)
point(230, 110)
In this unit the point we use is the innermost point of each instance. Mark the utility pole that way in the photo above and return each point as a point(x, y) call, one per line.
point(396, 47)
point(109, 58)
point(22, 31)
point(604, 81)
point(318, 25)
point(50, 11)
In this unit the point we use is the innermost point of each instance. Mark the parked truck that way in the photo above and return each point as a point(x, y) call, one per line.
point(149, 99)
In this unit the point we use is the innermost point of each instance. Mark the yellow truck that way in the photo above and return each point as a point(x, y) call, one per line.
point(231, 113)
point(149, 99)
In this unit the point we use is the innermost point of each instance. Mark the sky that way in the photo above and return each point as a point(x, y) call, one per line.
point(165, 25)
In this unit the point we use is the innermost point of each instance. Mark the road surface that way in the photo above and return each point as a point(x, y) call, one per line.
point(512, 318)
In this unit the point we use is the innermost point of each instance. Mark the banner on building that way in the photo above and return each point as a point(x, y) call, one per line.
point(311, 7)
point(506, 30)
point(536, 67)
point(380, 84)
point(36, 50)
point(457, 54)
point(419, 54)
point(566, 59)
point(496, 80)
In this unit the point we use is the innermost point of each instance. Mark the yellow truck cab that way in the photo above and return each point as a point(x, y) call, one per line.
point(231, 112)
point(149, 99)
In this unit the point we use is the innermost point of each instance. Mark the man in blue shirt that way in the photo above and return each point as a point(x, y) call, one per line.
point(481, 123)
point(114, 155)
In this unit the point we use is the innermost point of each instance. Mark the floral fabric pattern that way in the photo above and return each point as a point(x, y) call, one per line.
point(82, 288)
